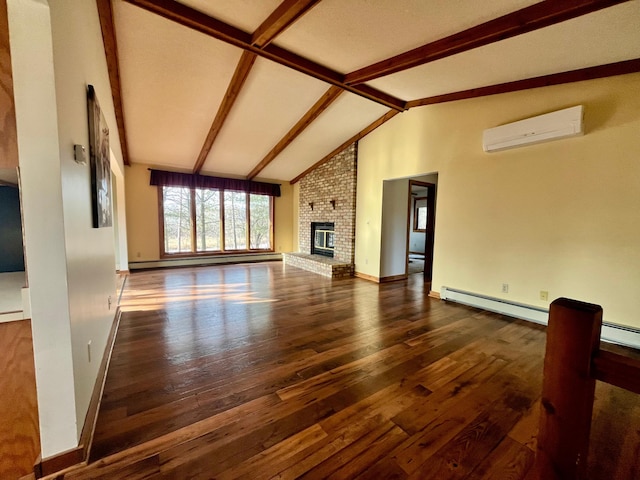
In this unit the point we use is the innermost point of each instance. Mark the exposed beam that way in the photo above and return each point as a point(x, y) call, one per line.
point(320, 106)
point(590, 73)
point(203, 23)
point(531, 18)
point(386, 117)
point(105, 13)
point(288, 12)
point(239, 76)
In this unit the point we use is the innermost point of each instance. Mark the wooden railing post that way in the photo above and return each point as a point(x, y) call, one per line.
point(573, 337)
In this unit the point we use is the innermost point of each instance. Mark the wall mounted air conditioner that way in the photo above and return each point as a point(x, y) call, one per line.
point(543, 128)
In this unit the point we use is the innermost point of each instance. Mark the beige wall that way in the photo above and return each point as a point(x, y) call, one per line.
point(560, 216)
point(284, 231)
point(142, 216)
point(143, 239)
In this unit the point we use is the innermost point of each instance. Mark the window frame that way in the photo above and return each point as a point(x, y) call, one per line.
point(415, 213)
point(192, 214)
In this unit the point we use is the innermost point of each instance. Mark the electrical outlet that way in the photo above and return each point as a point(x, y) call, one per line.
point(505, 288)
point(544, 295)
point(89, 351)
point(109, 301)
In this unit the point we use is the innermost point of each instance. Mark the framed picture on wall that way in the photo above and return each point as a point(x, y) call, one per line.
point(100, 162)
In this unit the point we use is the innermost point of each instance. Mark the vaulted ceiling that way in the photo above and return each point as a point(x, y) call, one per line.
point(271, 88)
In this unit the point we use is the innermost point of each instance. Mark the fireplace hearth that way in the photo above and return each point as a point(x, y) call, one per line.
point(323, 238)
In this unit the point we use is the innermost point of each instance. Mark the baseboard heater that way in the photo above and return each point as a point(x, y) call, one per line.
point(611, 332)
point(213, 260)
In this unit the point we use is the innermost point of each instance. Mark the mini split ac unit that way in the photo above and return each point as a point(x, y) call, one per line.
point(543, 128)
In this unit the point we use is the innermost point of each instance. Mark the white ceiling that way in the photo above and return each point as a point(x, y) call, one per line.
point(347, 35)
point(173, 78)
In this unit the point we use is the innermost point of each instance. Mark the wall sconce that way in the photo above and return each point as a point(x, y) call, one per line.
point(333, 203)
point(80, 154)
point(311, 205)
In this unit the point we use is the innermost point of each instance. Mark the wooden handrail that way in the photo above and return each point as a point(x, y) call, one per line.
point(573, 362)
point(618, 370)
point(573, 336)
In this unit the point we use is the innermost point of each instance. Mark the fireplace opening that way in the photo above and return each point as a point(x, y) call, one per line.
point(322, 238)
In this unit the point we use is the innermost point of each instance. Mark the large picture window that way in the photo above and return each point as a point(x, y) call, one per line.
point(207, 221)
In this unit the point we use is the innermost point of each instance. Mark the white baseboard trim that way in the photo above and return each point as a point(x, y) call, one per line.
point(6, 317)
point(611, 332)
point(196, 261)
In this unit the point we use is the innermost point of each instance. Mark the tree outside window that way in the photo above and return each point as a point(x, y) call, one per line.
point(214, 221)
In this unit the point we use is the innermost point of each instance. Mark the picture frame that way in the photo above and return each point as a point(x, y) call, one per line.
point(99, 159)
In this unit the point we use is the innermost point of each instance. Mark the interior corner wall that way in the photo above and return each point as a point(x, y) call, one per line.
point(283, 218)
point(295, 231)
point(143, 239)
point(559, 216)
point(120, 230)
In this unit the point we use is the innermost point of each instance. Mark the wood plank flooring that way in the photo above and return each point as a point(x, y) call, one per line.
point(266, 371)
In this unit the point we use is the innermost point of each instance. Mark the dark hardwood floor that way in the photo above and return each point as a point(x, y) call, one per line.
point(265, 371)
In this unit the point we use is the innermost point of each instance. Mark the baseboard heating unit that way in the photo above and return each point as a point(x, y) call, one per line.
point(611, 332)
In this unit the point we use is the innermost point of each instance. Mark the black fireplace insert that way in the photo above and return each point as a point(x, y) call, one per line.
point(322, 238)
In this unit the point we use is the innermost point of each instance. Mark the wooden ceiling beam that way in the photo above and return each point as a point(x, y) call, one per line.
point(589, 73)
point(539, 15)
point(288, 12)
point(386, 117)
point(105, 13)
point(203, 23)
point(233, 90)
point(314, 112)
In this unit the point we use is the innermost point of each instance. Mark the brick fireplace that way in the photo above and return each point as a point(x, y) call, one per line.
point(328, 195)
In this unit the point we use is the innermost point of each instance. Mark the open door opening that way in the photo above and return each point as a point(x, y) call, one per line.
point(420, 238)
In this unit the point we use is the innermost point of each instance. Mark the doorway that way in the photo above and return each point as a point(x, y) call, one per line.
point(421, 226)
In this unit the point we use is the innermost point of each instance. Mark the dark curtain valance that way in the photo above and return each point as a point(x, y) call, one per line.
point(174, 179)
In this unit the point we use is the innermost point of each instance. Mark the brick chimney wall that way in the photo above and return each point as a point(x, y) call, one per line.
point(334, 180)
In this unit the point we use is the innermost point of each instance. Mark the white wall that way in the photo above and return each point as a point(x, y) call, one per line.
point(80, 60)
point(395, 195)
point(56, 51)
point(559, 217)
point(41, 190)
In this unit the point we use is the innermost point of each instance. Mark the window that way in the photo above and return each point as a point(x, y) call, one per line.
point(420, 214)
point(201, 221)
